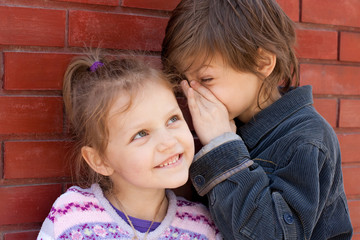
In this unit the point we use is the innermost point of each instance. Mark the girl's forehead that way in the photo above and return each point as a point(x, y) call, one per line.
point(127, 100)
point(148, 104)
point(121, 104)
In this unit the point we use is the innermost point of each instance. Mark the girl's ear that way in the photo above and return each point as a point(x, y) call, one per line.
point(92, 158)
point(266, 62)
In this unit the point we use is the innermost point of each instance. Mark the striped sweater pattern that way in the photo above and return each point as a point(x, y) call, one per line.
point(87, 214)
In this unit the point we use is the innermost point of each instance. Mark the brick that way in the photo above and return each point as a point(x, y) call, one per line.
point(24, 115)
point(355, 236)
point(291, 8)
point(35, 71)
point(354, 208)
point(116, 30)
point(349, 145)
point(331, 79)
point(167, 5)
point(1, 163)
point(349, 113)
point(350, 47)
point(1, 65)
point(351, 180)
point(345, 12)
point(96, 2)
point(32, 27)
point(27, 204)
point(38, 159)
point(328, 109)
point(26, 235)
point(317, 44)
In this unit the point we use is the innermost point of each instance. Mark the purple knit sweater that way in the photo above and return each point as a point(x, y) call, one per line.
point(87, 214)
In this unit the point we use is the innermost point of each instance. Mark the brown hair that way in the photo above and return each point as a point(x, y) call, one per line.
point(236, 29)
point(91, 85)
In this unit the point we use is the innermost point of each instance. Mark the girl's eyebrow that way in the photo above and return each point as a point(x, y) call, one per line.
point(140, 124)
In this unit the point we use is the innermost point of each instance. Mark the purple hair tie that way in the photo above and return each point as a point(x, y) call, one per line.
point(95, 66)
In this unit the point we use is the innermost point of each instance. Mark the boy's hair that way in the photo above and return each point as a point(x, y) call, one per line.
point(235, 29)
point(91, 85)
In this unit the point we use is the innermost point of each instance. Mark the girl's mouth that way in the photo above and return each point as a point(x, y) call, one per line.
point(170, 161)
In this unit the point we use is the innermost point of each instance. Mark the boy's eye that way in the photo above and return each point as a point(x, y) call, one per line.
point(206, 80)
point(140, 134)
point(173, 119)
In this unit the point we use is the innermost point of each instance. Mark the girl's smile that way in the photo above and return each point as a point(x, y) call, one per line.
point(171, 162)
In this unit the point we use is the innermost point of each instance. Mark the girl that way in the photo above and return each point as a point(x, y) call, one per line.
point(132, 143)
point(279, 176)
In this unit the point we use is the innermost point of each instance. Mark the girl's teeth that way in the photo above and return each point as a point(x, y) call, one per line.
point(170, 162)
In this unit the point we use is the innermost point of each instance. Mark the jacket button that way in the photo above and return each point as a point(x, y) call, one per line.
point(288, 218)
point(199, 180)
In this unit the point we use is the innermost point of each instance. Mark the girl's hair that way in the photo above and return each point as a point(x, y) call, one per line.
point(236, 29)
point(91, 85)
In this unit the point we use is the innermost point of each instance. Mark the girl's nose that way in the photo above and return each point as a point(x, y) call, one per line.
point(166, 141)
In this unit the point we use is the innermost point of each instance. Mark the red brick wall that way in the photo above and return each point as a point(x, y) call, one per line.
point(38, 37)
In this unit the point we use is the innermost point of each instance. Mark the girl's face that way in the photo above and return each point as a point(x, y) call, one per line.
point(238, 91)
point(150, 145)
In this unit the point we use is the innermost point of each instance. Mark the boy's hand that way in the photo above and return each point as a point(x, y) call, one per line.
point(210, 117)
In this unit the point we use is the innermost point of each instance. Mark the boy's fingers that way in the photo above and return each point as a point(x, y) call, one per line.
point(193, 107)
point(185, 87)
point(197, 98)
point(203, 91)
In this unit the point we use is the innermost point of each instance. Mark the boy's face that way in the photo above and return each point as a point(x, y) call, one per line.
point(238, 91)
point(150, 145)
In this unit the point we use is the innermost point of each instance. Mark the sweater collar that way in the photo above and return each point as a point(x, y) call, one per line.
point(269, 118)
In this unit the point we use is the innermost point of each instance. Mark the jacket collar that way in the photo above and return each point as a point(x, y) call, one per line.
point(269, 118)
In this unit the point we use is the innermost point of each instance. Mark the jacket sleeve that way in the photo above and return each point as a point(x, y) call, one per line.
point(248, 203)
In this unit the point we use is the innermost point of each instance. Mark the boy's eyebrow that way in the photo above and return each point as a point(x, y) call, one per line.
point(197, 70)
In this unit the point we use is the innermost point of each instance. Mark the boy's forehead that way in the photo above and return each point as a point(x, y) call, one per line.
point(195, 64)
point(201, 63)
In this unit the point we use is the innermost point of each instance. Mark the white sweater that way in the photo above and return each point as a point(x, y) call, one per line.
point(87, 214)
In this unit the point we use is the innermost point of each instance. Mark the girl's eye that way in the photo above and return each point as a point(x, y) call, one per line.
point(140, 134)
point(173, 119)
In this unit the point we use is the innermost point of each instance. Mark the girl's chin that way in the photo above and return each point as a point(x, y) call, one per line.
point(178, 183)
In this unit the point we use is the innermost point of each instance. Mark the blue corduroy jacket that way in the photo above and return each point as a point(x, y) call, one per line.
point(279, 177)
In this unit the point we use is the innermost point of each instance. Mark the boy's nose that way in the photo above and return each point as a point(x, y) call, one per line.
point(166, 141)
